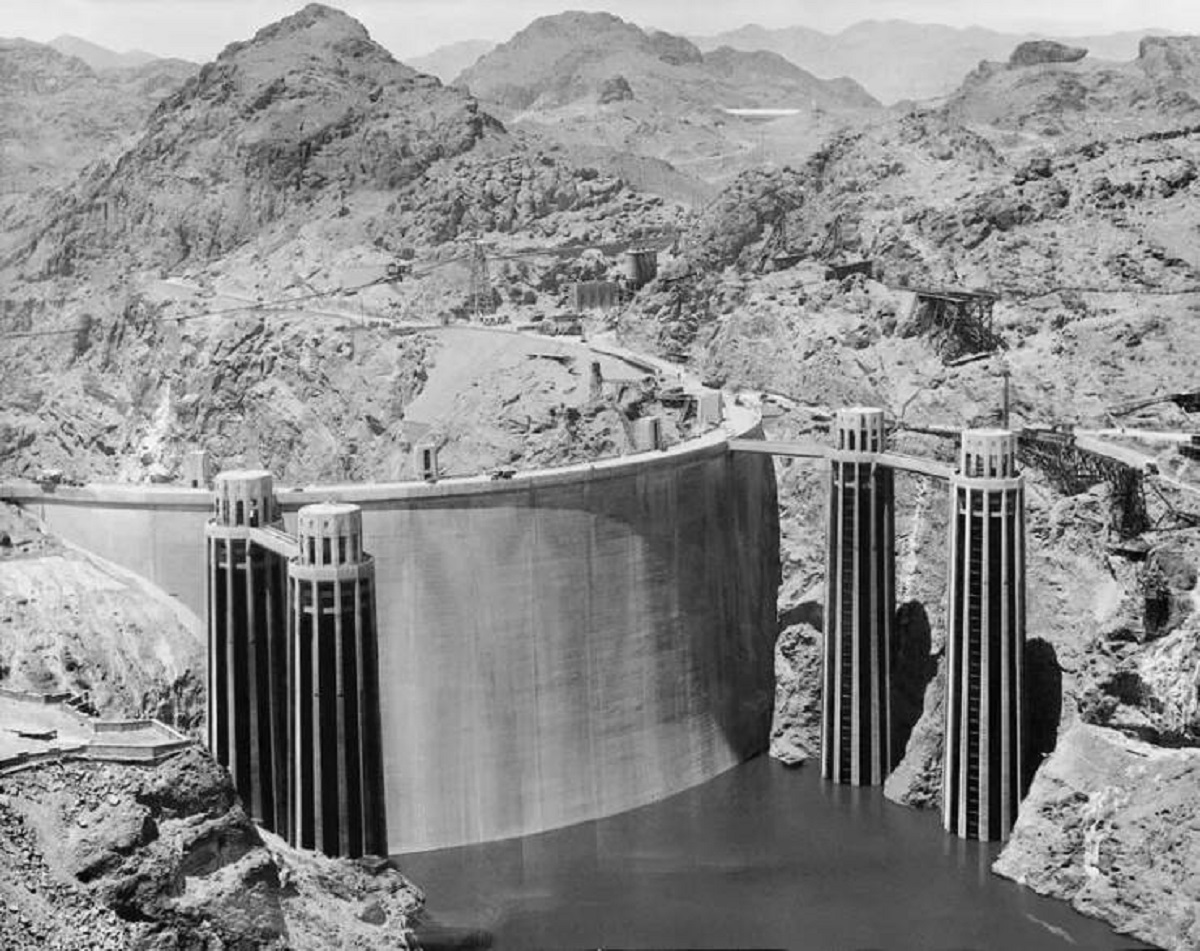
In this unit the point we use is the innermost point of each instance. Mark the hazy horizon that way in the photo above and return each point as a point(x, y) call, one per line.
point(199, 29)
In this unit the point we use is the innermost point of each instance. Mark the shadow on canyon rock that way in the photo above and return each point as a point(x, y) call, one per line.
point(1043, 692)
point(811, 613)
point(913, 667)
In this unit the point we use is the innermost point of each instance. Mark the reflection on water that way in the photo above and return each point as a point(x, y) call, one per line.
point(762, 856)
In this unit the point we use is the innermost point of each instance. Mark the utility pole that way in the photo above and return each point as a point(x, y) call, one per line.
point(1006, 373)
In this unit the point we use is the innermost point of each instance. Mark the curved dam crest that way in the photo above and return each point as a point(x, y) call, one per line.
point(553, 648)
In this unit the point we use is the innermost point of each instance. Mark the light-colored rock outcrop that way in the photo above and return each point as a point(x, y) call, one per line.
point(1112, 825)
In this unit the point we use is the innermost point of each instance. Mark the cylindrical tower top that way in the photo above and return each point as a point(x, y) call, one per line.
point(988, 454)
point(861, 429)
point(244, 497)
point(330, 533)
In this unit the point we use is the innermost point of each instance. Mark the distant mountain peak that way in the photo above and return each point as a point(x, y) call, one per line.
point(575, 58)
point(97, 56)
point(898, 60)
point(446, 62)
point(311, 15)
point(308, 110)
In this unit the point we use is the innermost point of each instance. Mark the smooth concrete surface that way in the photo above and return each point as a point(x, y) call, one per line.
point(155, 532)
point(569, 651)
point(553, 648)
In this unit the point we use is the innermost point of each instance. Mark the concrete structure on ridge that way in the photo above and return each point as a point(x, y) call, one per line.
point(336, 767)
point(983, 757)
point(860, 604)
point(567, 643)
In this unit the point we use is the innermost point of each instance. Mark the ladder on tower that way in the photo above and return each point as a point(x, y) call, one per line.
point(974, 685)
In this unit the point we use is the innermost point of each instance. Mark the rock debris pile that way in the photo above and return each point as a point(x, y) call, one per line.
point(115, 857)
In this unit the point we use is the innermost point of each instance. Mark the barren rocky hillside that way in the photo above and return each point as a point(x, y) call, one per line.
point(57, 115)
point(153, 313)
point(308, 111)
point(1049, 89)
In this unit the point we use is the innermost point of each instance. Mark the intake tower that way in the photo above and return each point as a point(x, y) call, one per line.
point(247, 644)
point(859, 603)
point(337, 772)
point(985, 639)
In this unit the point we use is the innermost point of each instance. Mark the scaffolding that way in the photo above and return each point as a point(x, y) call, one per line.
point(1073, 470)
point(956, 322)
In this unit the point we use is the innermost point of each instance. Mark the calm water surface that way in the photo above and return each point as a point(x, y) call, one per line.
point(760, 857)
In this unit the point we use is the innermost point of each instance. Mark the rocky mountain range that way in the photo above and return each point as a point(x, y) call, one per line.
point(595, 79)
point(310, 109)
point(578, 57)
point(897, 60)
point(218, 278)
point(299, 164)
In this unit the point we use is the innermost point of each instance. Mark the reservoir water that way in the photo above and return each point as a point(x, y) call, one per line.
point(761, 857)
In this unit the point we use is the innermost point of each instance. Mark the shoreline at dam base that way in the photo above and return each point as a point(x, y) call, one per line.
point(555, 647)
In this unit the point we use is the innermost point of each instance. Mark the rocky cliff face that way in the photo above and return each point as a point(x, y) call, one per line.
point(73, 622)
point(1033, 52)
point(112, 857)
point(1110, 826)
point(59, 115)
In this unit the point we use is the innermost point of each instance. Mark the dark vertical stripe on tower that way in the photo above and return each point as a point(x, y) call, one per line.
point(375, 815)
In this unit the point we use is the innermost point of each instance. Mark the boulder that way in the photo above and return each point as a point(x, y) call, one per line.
point(615, 89)
point(1109, 825)
point(1036, 52)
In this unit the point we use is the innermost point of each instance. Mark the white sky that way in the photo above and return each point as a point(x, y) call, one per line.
point(199, 29)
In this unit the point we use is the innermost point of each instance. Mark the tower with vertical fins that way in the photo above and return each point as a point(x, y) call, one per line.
point(337, 762)
point(859, 603)
point(983, 755)
point(247, 635)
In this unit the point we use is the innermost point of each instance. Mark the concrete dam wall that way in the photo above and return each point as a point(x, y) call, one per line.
point(555, 648)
